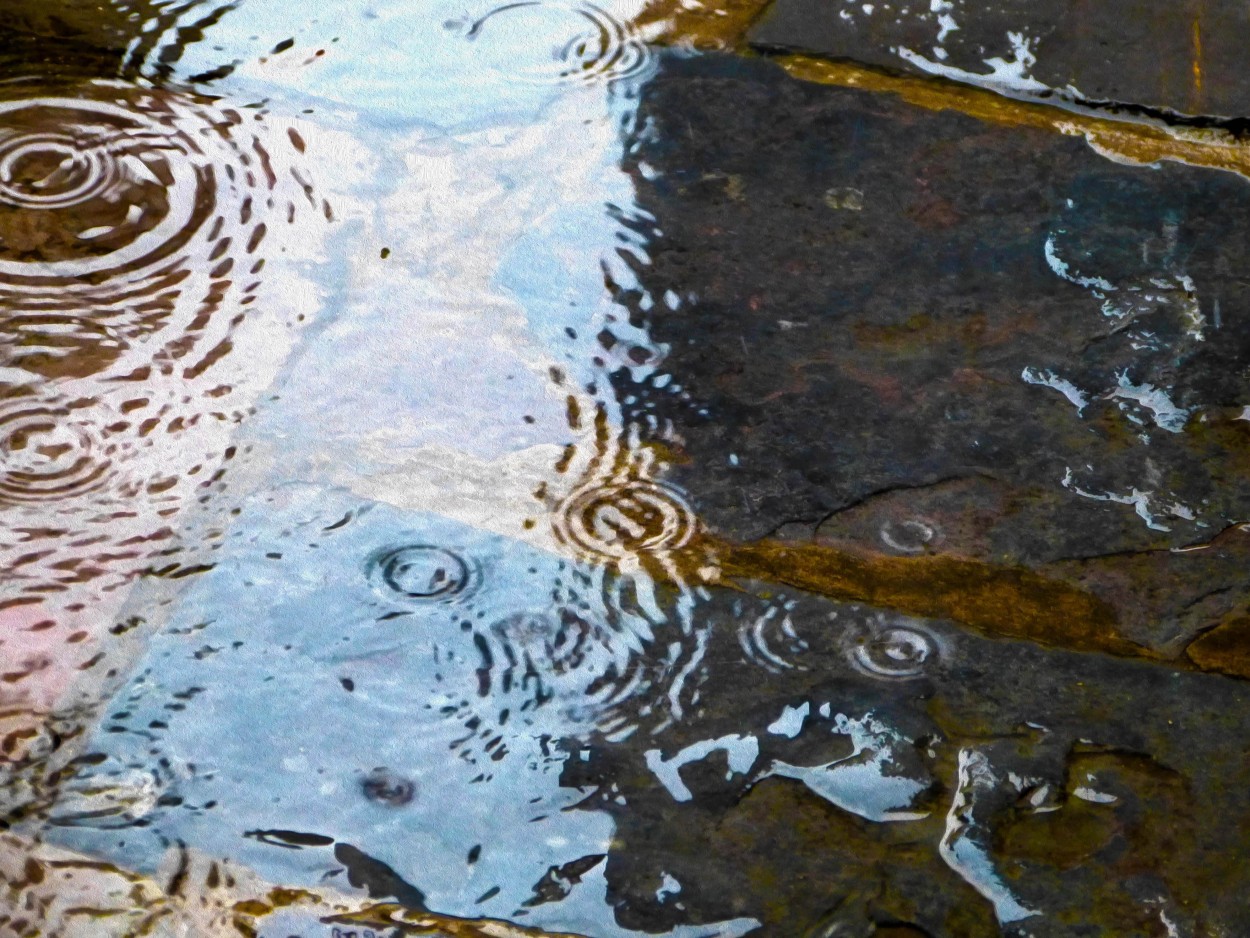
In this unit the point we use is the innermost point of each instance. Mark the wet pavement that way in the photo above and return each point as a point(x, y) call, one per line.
point(1175, 60)
point(560, 469)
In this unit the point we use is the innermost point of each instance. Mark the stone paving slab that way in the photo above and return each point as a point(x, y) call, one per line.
point(917, 334)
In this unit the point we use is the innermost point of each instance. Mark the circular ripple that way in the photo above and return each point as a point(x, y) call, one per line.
point(771, 641)
point(587, 44)
point(894, 650)
point(422, 573)
point(56, 344)
point(554, 643)
point(127, 217)
point(385, 787)
point(625, 520)
point(49, 452)
point(51, 170)
point(523, 658)
point(95, 188)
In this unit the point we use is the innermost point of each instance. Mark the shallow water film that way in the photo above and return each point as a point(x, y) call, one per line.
point(613, 468)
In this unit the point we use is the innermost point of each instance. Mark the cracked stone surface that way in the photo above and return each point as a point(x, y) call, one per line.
point(1181, 57)
point(914, 333)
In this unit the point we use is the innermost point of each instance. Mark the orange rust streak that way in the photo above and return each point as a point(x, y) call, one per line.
point(414, 922)
point(1121, 140)
point(1009, 602)
point(1197, 57)
point(714, 24)
point(1225, 648)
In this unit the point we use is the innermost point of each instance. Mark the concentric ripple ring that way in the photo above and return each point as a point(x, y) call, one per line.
point(625, 520)
point(422, 573)
point(48, 454)
point(86, 154)
point(894, 651)
point(52, 171)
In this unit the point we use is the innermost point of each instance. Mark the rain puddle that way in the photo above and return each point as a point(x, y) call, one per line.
point(618, 469)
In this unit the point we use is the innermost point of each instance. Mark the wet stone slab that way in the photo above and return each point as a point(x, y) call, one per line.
point(988, 788)
point(1182, 57)
point(914, 334)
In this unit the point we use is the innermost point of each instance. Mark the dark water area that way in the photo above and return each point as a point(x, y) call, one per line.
point(595, 470)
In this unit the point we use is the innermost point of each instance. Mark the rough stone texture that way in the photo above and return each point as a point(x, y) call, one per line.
point(1186, 57)
point(1154, 744)
point(868, 287)
point(863, 289)
point(860, 288)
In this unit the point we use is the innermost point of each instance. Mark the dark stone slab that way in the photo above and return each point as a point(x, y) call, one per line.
point(1186, 57)
point(1123, 804)
point(874, 298)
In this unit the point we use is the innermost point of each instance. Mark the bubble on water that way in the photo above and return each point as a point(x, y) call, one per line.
point(894, 649)
point(387, 788)
point(625, 520)
point(582, 42)
point(423, 573)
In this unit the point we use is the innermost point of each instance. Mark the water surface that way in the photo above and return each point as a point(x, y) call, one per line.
point(544, 468)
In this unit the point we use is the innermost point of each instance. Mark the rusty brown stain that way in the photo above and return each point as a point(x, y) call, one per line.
point(710, 25)
point(1225, 648)
point(414, 922)
point(1197, 58)
point(1121, 140)
point(1009, 602)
